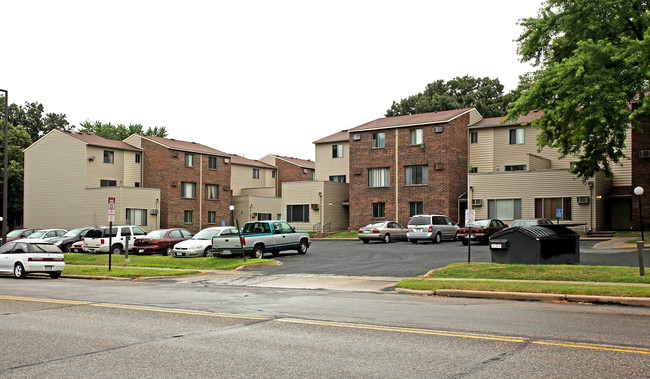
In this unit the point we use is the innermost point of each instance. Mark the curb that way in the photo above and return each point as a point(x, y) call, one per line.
point(618, 300)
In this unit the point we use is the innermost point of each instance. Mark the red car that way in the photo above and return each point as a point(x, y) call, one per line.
point(160, 241)
point(77, 247)
point(20, 233)
point(481, 231)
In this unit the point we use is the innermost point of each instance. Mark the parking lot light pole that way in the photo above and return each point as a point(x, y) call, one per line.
point(232, 215)
point(5, 187)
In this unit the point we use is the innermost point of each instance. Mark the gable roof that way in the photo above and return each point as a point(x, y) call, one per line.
point(95, 140)
point(343, 135)
point(412, 120)
point(191, 147)
point(305, 163)
point(494, 121)
point(236, 159)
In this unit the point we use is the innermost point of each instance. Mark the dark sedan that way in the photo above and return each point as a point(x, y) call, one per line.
point(65, 241)
point(481, 231)
point(160, 241)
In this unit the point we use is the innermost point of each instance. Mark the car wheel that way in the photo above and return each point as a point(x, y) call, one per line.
point(465, 242)
point(258, 252)
point(438, 238)
point(456, 236)
point(208, 252)
point(302, 248)
point(55, 275)
point(386, 238)
point(66, 247)
point(19, 271)
point(365, 241)
point(116, 249)
point(169, 251)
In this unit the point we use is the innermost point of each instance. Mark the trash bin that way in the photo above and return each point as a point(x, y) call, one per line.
point(540, 244)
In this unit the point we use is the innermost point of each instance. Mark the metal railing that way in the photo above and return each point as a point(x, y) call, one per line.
point(316, 228)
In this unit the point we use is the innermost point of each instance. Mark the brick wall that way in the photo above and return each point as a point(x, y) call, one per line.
point(288, 172)
point(641, 173)
point(165, 169)
point(440, 195)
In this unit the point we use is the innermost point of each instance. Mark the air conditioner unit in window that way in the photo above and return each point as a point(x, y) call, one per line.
point(438, 166)
point(437, 129)
point(254, 215)
point(477, 202)
point(644, 153)
point(226, 160)
point(583, 199)
point(174, 184)
point(154, 211)
point(356, 137)
point(314, 207)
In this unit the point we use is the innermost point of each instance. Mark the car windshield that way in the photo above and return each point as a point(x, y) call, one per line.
point(482, 223)
point(156, 234)
point(545, 221)
point(38, 234)
point(73, 232)
point(14, 233)
point(420, 220)
point(206, 234)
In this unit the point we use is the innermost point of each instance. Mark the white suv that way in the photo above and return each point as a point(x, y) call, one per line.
point(96, 240)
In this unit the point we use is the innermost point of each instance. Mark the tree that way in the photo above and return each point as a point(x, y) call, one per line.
point(484, 94)
point(120, 131)
point(30, 116)
point(593, 59)
point(18, 141)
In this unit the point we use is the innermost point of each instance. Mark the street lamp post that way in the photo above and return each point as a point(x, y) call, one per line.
point(232, 215)
point(640, 244)
point(5, 187)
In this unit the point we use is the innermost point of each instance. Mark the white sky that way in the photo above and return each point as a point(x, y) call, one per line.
point(249, 77)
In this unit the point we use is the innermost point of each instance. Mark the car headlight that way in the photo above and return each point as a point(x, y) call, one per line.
point(57, 242)
point(194, 247)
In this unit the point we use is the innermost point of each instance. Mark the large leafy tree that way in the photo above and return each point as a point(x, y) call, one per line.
point(593, 69)
point(18, 140)
point(30, 116)
point(120, 131)
point(484, 94)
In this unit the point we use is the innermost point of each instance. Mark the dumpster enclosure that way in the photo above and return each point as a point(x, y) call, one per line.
point(540, 244)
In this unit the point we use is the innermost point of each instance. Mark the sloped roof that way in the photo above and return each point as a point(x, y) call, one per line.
point(410, 120)
point(306, 163)
point(343, 135)
point(192, 147)
point(494, 121)
point(95, 140)
point(236, 159)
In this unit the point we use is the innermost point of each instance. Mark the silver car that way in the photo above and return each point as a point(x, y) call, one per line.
point(432, 227)
point(382, 231)
point(200, 245)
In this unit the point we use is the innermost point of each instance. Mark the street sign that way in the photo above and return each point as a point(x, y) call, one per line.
point(558, 213)
point(470, 217)
point(111, 209)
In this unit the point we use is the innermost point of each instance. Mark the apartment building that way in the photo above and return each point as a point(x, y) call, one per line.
point(194, 181)
point(290, 169)
point(406, 165)
point(253, 185)
point(333, 157)
point(69, 177)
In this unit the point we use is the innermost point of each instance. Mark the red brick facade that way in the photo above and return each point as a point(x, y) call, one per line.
point(165, 169)
point(445, 154)
point(290, 172)
point(641, 173)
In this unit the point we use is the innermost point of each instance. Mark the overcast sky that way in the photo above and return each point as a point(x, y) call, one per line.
point(249, 77)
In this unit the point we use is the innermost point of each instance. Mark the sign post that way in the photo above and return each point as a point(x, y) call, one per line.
point(470, 218)
point(558, 214)
point(111, 218)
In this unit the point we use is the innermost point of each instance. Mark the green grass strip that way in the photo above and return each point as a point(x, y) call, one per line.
point(122, 272)
point(199, 263)
point(343, 235)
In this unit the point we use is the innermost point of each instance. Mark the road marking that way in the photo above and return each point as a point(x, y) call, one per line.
point(491, 337)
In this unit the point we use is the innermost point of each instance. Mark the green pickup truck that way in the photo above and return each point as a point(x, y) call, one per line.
point(260, 237)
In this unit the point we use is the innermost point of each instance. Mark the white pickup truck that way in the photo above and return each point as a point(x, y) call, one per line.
point(261, 237)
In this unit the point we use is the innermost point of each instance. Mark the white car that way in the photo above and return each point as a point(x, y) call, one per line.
point(201, 243)
point(45, 233)
point(22, 258)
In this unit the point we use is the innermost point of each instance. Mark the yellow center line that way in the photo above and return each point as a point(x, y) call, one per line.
point(490, 337)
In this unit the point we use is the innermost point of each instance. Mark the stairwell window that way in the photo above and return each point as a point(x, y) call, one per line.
point(416, 208)
point(212, 217)
point(188, 217)
point(473, 137)
point(256, 173)
point(212, 163)
point(109, 156)
point(378, 210)
point(517, 136)
point(337, 151)
point(189, 160)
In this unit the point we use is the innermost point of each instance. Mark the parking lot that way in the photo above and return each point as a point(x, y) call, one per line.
point(403, 259)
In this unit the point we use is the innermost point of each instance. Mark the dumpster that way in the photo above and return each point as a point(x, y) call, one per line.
point(540, 244)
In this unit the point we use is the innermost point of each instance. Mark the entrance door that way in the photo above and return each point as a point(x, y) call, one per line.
point(620, 213)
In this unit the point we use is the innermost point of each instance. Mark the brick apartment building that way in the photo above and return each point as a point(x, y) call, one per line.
point(406, 165)
point(290, 169)
point(194, 181)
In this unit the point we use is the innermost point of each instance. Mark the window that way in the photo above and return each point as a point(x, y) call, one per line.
point(256, 173)
point(517, 136)
point(212, 192)
point(188, 190)
point(415, 137)
point(505, 209)
point(273, 174)
point(473, 170)
point(298, 213)
point(337, 151)
point(137, 158)
point(518, 167)
point(212, 217)
point(378, 210)
point(189, 160)
point(137, 184)
point(188, 217)
point(473, 137)
point(263, 216)
point(107, 183)
point(416, 175)
point(212, 163)
point(547, 208)
point(378, 177)
point(136, 216)
point(378, 140)
point(415, 208)
point(337, 178)
point(109, 156)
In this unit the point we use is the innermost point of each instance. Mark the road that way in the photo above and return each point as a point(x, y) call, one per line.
point(107, 328)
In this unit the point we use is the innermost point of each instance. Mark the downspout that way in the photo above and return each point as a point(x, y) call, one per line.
point(201, 192)
point(397, 175)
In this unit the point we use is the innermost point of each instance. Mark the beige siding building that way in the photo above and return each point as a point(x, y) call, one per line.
point(333, 158)
point(69, 177)
point(252, 175)
point(510, 179)
point(316, 205)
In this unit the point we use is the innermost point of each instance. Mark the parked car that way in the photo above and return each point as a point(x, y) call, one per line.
point(71, 236)
point(26, 257)
point(77, 247)
point(382, 231)
point(44, 234)
point(481, 231)
point(20, 233)
point(532, 222)
point(200, 245)
point(431, 227)
point(160, 241)
point(97, 239)
point(260, 237)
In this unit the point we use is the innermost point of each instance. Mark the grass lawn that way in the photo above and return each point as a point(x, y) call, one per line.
point(569, 273)
point(354, 234)
point(634, 236)
point(122, 272)
point(199, 263)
